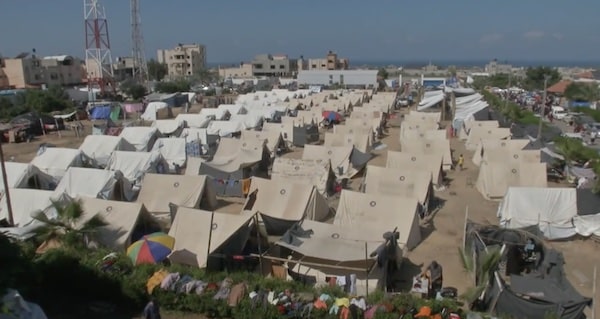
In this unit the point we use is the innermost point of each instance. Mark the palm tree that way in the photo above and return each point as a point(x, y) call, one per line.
point(68, 227)
point(482, 270)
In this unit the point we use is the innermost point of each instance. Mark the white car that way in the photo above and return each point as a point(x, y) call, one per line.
point(559, 113)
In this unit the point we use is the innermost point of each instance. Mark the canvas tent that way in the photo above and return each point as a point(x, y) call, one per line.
point(134, 165)
point(158, 191)
point(550, 209)
point(282, 204)
point(194, 120)
point(98, 148)
point(294, 131)
point(24, 175)
point(469, 124)
point(225, 128)
point(248, 121)
point(95, 183)
point(408, 129)
point(169, 127)
point(173, 151)
point(361, 142)
point(429, 147)
point(198, 142)
point(346, 161)
point(142, 138)
point(126, 222)
point(307, 172)
point(25, 202)
point(152, 110)
point(234, 161)
point(199, 233)
point(495, 177)
point(273, 139)
point(494, 146)
point(216, 114)
point(417, 162)
point(381, 212)
point(399, 182)
point(54, 161)
point(477, 133)
point(350, 129)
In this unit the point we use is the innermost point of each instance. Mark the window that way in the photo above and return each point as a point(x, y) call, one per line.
point(272, 67)
point(314, 66)
point(258, 66)
point(282, 66)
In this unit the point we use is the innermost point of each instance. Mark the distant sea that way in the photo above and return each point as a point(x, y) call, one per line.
point(457, 63)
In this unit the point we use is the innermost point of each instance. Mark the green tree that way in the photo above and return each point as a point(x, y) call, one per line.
point(578, 91)
point(382, 73)
point(157, 71)
point(173, 86)
point(69, 226)
point(482, 269)
point(534, 77)
point(134, 90)
point(44, 101)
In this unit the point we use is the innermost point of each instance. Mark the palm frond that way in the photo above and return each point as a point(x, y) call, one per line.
point(466, 259)
point(93, 224)
point(491, 260)
point(472, 294)
point(41, 217)
point(73, 210)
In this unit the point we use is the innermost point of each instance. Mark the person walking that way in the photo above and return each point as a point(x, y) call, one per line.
point(152, 311)
point(461, 162)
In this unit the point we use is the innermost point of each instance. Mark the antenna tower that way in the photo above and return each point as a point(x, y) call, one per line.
point(98, 59)
point(140, 68)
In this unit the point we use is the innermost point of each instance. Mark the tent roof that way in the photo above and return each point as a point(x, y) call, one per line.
point(159, 190)
point(16, 174)
point(271, 138)
point(56, 160)
point(338, 155)
point(24, 202)
point(90, 182)
point(139, 136)
point(168, 126)
point(133, 164)
point(415, 161)
point(299, 171)
point(194, 120)
point(359, 141)
point(100, 147)
point(397, 182)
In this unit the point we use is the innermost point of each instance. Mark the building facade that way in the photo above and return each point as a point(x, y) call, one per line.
point(274, 66)
point(244, 70)
point(330, 62)
point(352, 78)
point(498, 68)
point(26, 71)
point(184, 60)
point(123, 68)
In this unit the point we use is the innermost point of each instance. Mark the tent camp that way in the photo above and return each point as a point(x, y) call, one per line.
point(194, 120)
point(429, 147)
point(417, 162)
point(488, 148)
point(381, 212)
point(98, 148)
point(134, 165)
point(469, 124)
point(54, 161)
point(296, 131)
point(403, 182)
point(249, 121)
point(199, 233)
point(273, 139)
point(282, 204)
point(173, 151)
point(24, 175)
point(361, 142)
point(225, 128)
point(307, 172)
point(126, 222)
point(159, 191)
point(425, 134)
point(477, 133)
point(496, 176)
point(25, 202)
point(346, 161)
point(142, 138)
point(550, 209)
point(171, 127)
point(95, 183)
point(233, 163)
point(408, 129)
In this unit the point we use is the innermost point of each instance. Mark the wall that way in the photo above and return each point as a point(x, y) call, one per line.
point(265, 65)
point(243, 71)
point(342, 77)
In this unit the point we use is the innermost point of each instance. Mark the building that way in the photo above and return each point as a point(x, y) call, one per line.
point(183, 60)
point(123, 68)
point(25, 70)
point(494, 68)
point(244, 70)
point(329, 62)
point(352, 78)
point(274, 66)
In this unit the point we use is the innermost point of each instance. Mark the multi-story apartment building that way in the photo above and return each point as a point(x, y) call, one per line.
point(27, 70)
point(274, 65)
point(123, 68)
point(183, 60)
point(330, 62)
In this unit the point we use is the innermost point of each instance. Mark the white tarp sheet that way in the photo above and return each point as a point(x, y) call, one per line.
point(172, 150)
point(151, 109)
point(495, 177)
point(587, 225)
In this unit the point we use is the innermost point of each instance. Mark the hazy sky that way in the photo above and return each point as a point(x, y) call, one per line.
point(375, 30)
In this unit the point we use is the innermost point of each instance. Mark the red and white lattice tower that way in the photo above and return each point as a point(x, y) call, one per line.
point(98, 59)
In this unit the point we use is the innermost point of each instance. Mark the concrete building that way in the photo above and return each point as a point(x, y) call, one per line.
point(123, 68)
point(498, 68)
point(352, 78)
point(274, 65)
point(331, 61)
point(244, 70)
point(183, 60)
point(26, 70)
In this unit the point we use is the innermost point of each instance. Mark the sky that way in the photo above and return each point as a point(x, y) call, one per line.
point(375, 30)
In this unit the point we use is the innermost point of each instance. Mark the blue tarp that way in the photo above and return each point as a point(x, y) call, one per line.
point(579, 104)
point(432, 83)
point(100, 112)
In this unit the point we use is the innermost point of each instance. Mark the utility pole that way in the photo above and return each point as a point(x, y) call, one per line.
point(542, 109)
point(508, 89)
point(11, 219)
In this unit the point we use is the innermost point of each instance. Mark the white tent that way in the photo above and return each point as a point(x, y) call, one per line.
point(194, 120)
point(94, 183)
point(168, 127)
point(173, 151)
point(404, 182)
point(381, 212)
point(141, 137)
point(234, 154)
point(23, 175)
point(281, 204)
point(417, 162)
point(495, 177)
point(286, 130)
point(217, 114)
point(339, 156)
point(478, 133)
point(307, 172)
point(272, 139)
point(99, 148)
point(198, 233)
point(198, 134)
point(54, 161)
point(361, 142)
point(410, 129)
point(429, 147)
point(471, 122)
point(134, 165)
point(224, 128)
point(349, 129)
point(487, 148)
point(249, 121)
point(424, 134)
point(151, 109)
point(232, 109)
point(158, 191)
point(24, 203)
point(550, 209)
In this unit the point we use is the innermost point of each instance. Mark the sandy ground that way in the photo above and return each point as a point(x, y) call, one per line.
point(441, 236)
